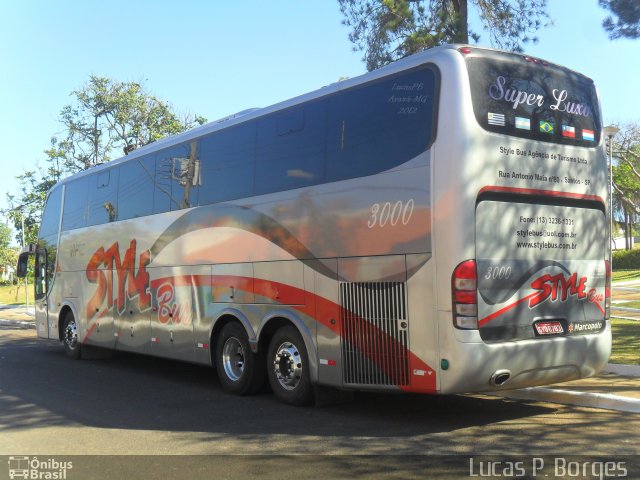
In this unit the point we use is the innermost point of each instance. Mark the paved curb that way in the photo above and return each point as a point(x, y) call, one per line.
point(623, 370)
point(22, 324)
point(582, 399)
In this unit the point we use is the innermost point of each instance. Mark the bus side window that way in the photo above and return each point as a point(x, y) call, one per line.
point(380, 125)
point(177, 178)
point(76, 204)
point(135, 190)
point(291, 148)
point(51, 216)
point(226, 162)
point(103, 201)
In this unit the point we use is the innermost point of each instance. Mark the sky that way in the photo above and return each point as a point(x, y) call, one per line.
point(215, 58)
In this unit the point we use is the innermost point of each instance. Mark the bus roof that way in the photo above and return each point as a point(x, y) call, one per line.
point(252, 113)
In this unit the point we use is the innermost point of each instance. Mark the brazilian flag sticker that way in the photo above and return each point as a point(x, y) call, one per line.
point(546, 127)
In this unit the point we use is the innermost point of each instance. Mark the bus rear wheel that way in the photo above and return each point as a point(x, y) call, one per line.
point(288, 367)
point(70, 336)
point(240, 371)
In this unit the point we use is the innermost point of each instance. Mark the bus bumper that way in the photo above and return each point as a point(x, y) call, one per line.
point(473, 365)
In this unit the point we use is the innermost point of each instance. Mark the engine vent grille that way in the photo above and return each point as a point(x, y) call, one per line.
point(375, 342)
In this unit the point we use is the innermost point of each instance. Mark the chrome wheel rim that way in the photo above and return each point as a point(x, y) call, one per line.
point(233, 359)
point(71, 335)
point(287, 366)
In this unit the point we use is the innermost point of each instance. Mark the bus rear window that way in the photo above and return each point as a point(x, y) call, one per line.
point(533, 100)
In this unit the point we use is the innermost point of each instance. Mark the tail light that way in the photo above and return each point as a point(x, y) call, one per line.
point(607, 290)
point(464, 291)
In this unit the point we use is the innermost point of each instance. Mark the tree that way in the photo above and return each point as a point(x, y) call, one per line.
point(109, 116)
point(387, 30)
point(8, 254)
point(626, 175)
point(627, 21)
point(106, 119)
point(27, 204)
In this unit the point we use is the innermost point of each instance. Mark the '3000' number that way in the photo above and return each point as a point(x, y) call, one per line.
point(383, 214)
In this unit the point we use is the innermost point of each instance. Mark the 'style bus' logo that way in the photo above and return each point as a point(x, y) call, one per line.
point(104, 265)
point(558, 287)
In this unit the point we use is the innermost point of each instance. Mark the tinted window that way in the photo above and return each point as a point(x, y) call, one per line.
point(380, 125)
point(227, 164)
point(51, 215)
point(541, 102)
point(291, 148)
point(103, 197)
point(177, 178)
point(75, 204)
point(135, 191)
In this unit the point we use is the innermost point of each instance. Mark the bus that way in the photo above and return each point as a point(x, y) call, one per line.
point(438, 225)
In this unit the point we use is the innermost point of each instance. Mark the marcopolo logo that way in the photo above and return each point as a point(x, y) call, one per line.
point(38, 469)
point(585, 327)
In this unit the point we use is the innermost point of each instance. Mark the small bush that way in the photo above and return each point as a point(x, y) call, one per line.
point(626, 260)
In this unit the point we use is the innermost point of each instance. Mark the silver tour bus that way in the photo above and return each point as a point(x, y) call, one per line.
point(435, 226)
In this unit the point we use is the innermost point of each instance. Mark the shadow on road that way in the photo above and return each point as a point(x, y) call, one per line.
point(139, 392)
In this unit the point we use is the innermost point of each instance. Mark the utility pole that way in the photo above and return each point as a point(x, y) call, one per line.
point(26, 277)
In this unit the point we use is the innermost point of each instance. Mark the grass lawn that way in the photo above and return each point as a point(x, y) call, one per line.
point(8, 294)
point(624, 275)
point(627, 304)
point(626, 342)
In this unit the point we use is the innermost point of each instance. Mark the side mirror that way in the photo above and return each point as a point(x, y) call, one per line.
point(23, 260)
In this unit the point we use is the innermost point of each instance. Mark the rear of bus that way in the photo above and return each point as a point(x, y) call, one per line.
point(521, 229)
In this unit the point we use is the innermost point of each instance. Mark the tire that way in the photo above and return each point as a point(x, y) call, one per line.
point(70, 340)
point(240, 371)
point(288, 367)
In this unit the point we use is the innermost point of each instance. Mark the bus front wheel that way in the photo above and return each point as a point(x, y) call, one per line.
point(70, 336)
point(288, 367)
point(240, 371)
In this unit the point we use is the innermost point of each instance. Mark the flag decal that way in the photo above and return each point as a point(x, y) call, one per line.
point(568, 131)
point(523, 123)
point(496, 119)
point(546, 127)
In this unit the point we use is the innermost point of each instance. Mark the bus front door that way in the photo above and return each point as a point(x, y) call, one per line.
point(41, 279)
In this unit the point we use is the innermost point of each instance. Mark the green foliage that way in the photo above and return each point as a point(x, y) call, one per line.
point(8, 254)
point(110, 117)
point(627, 21)
point(387, 30)
point(106, 119)
point(626, 172)
point(625, 260)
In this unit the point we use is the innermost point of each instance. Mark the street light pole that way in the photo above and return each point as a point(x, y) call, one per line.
point(26, 277)
point(610, 131)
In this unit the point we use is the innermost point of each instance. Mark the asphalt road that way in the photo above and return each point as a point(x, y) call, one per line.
point(137, 405)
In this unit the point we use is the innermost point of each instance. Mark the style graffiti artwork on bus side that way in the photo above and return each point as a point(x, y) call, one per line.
point(169, 310)
point(104, 265)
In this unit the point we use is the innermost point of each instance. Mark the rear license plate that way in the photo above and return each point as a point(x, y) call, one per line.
point(548, 328)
